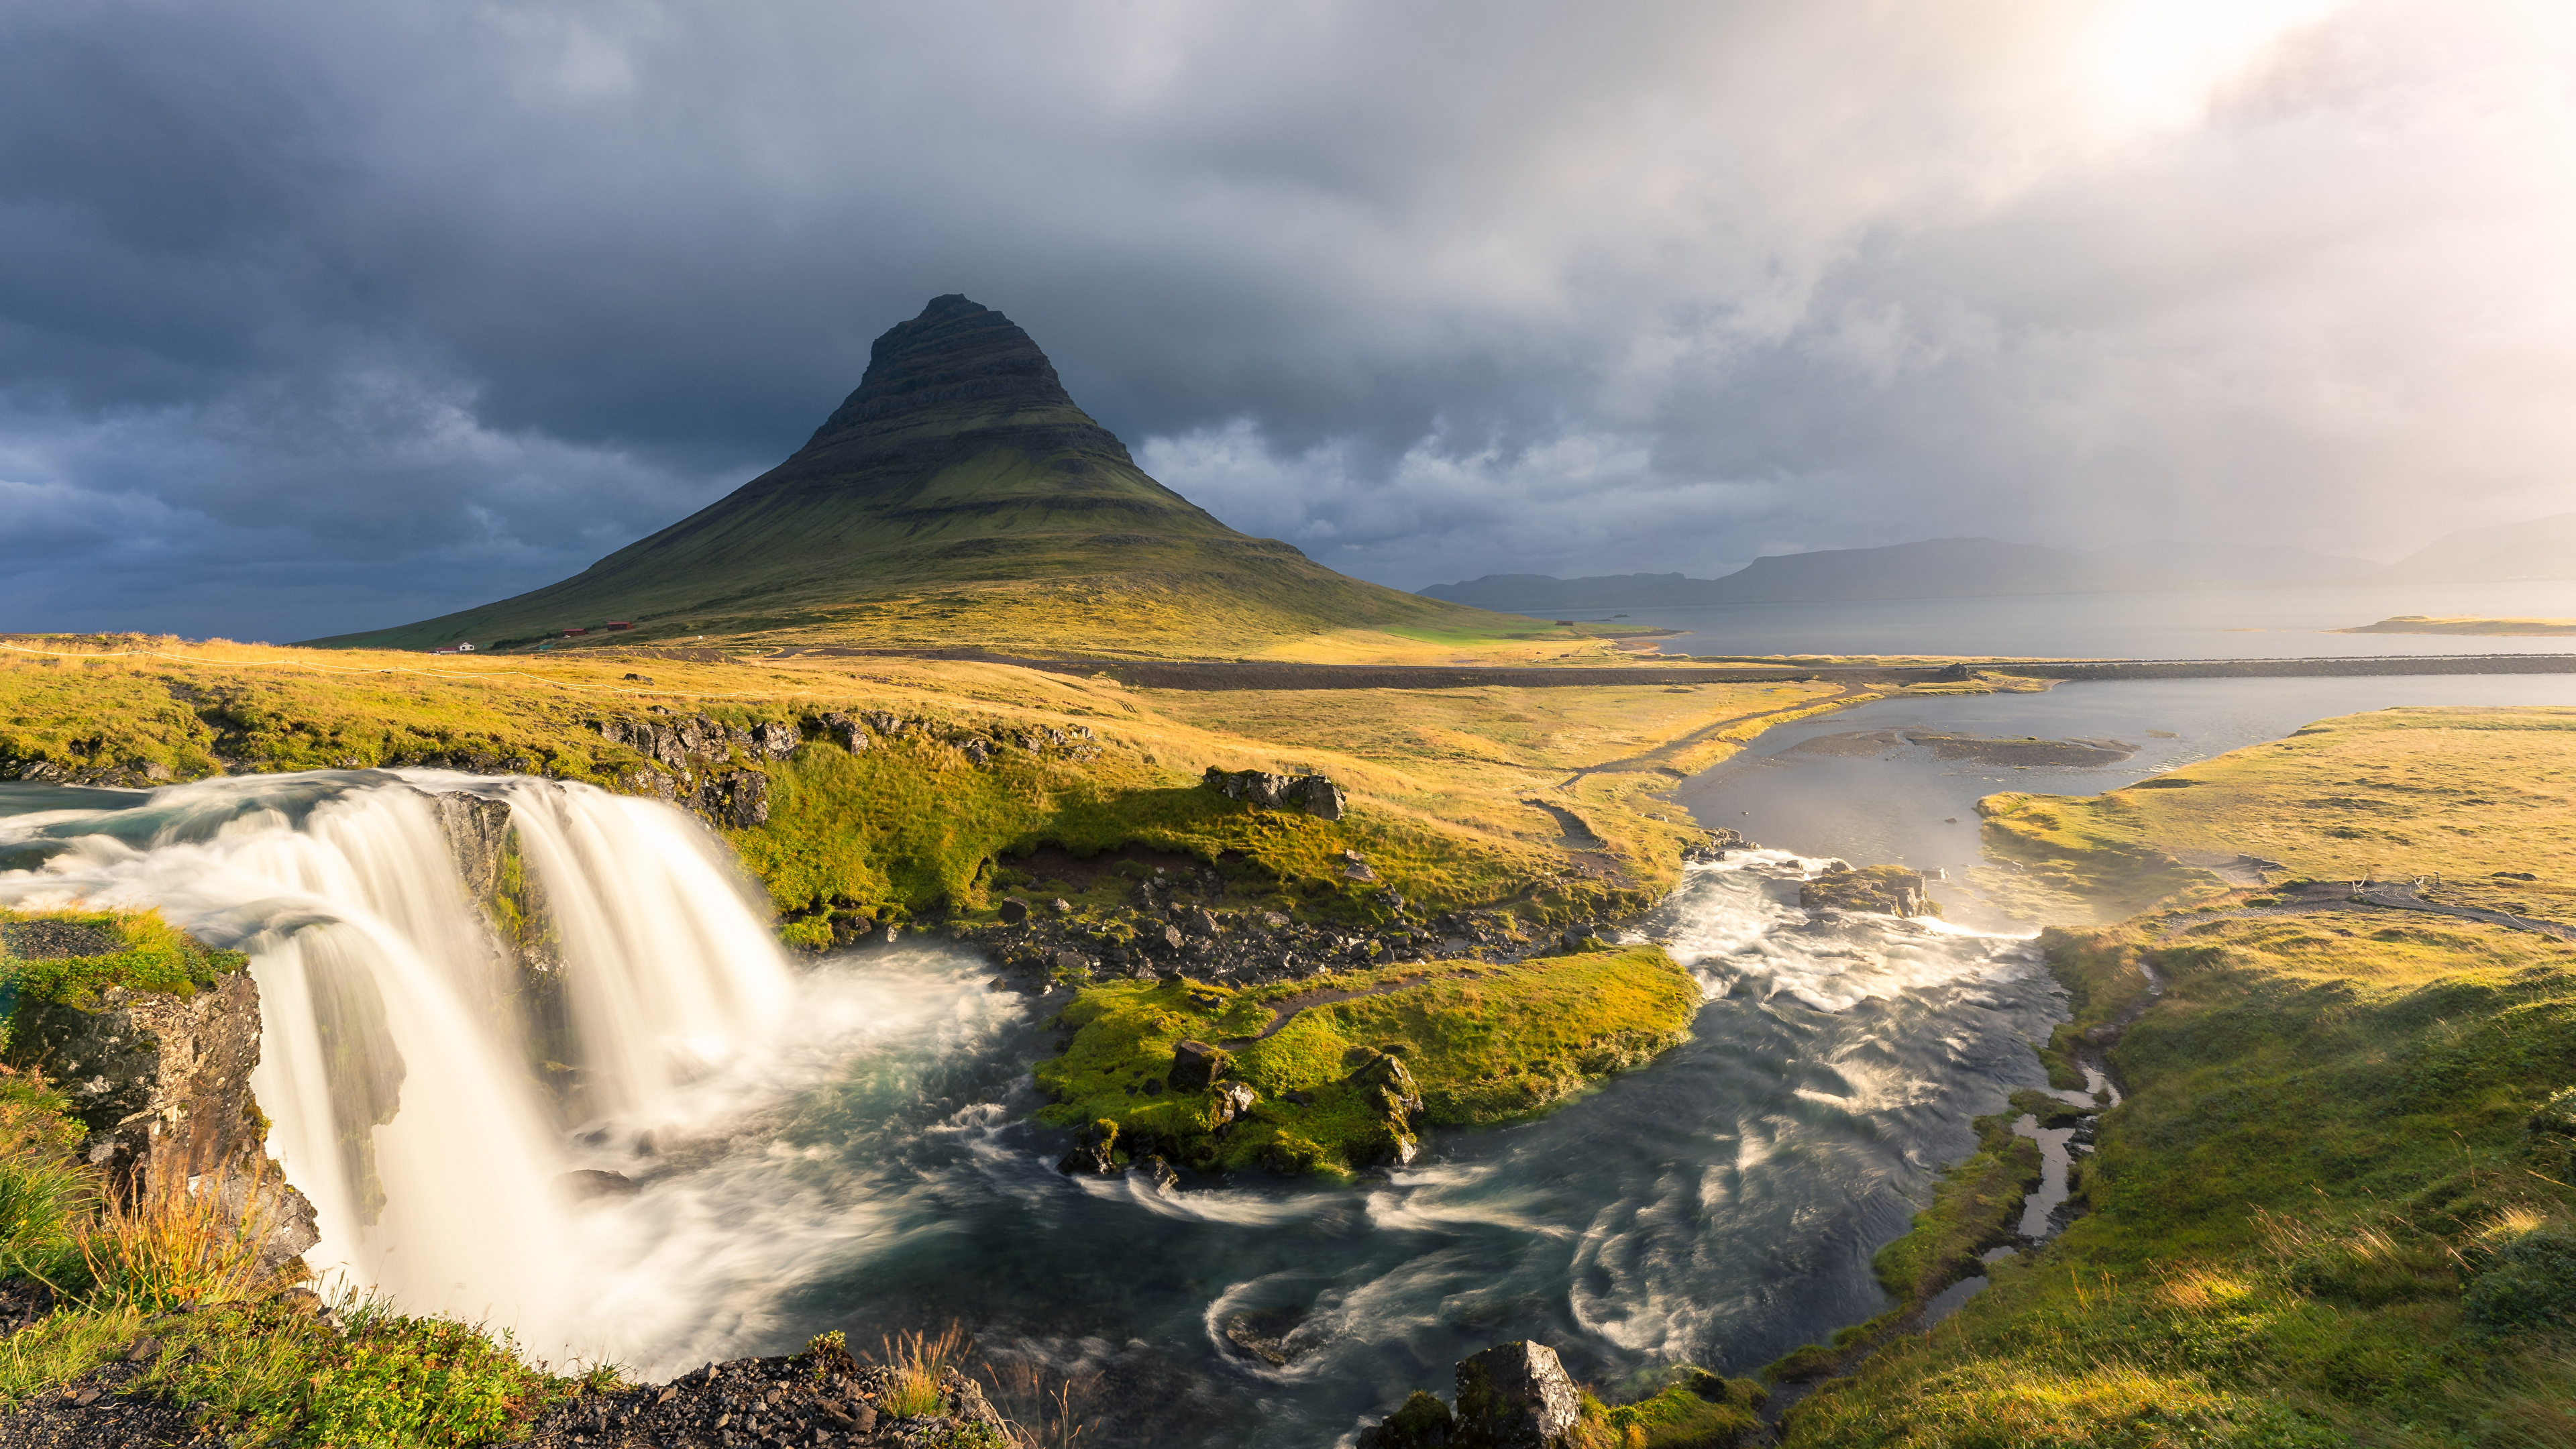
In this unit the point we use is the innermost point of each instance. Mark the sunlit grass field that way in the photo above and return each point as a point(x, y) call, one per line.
point(1441, 781)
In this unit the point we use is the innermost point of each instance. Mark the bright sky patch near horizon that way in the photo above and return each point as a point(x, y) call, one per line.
point(324, 317)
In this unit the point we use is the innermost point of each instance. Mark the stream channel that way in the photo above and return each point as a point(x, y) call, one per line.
point(848, 1145)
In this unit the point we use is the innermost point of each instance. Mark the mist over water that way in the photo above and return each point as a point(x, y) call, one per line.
point(845, 1142)
point(2285, 623)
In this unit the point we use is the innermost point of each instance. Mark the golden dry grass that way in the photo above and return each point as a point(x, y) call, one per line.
point(2397, 793)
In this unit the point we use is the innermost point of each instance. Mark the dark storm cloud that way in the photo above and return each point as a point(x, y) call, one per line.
point(322, 316)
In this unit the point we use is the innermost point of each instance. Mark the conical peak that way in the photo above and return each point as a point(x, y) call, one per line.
point(956, 352)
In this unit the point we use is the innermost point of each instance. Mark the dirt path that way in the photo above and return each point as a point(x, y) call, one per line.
point(2375, 896)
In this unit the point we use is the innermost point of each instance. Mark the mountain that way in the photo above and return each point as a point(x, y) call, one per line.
point(2200, 563)
point(1944, 568)
point(959, 491)
point(2543, 548)
point(1935, 569)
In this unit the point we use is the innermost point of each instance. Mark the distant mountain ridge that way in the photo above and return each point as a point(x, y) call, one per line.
point(2543, 548)
point(961, 477)
point(1952, 568)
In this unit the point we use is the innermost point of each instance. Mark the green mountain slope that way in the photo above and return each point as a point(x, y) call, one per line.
point(959, 487)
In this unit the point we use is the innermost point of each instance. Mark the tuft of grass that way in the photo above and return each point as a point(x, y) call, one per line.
point(173, 1245)
point(1045, 1409)
point(919, 1361)
point(45, 1193)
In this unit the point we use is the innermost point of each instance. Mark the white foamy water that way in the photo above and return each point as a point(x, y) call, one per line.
point(395, 1061)
point(1736, 922)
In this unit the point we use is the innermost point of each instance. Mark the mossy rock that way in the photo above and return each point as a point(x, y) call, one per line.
point(2557, 1116)
point(2052, 1112)
point(2529, 1285)
point(1709, 1413)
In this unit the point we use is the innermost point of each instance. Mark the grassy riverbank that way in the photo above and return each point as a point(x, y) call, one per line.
point(2331, 1210)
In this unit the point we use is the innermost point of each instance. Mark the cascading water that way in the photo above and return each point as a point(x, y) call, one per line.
point(394, 1063)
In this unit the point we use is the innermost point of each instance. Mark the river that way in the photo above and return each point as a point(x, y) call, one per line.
point(844, 1144)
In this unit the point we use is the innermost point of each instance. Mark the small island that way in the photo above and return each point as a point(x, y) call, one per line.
point(2464, 624)
point(1334, 1073)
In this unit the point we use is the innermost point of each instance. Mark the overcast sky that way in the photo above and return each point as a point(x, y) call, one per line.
point(319, 316)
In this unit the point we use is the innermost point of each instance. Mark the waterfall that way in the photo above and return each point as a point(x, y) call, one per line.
point(395, 1059)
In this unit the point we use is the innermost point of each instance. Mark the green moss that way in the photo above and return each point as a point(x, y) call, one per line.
point(1706, 1413)
point(156, 956)
point(1483, 1043)
point(1975, 1206)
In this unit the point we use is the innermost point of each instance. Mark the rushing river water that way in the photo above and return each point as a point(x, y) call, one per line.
point(846, 1145)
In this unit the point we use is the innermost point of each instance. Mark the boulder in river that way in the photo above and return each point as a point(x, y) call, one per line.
point(1885, 889)
point(1094, 1152)
point(584, 1184)
point(1157, 1173)
point(1515, 1396)
point(1229, 1101)
point(1512, 1396)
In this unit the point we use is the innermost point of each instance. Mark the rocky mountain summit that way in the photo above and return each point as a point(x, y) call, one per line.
point(959, 463)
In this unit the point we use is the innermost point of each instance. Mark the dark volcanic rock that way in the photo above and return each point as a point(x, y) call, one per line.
point(1423, 1423)
point(820, 1397)
point(1231, 1100)
point(57, 940)
point(162, 1082)
point(1195, 1065)
point(1094, 1153)
point(1515, 1396)
point(1314, 794)
point(585, 1183)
